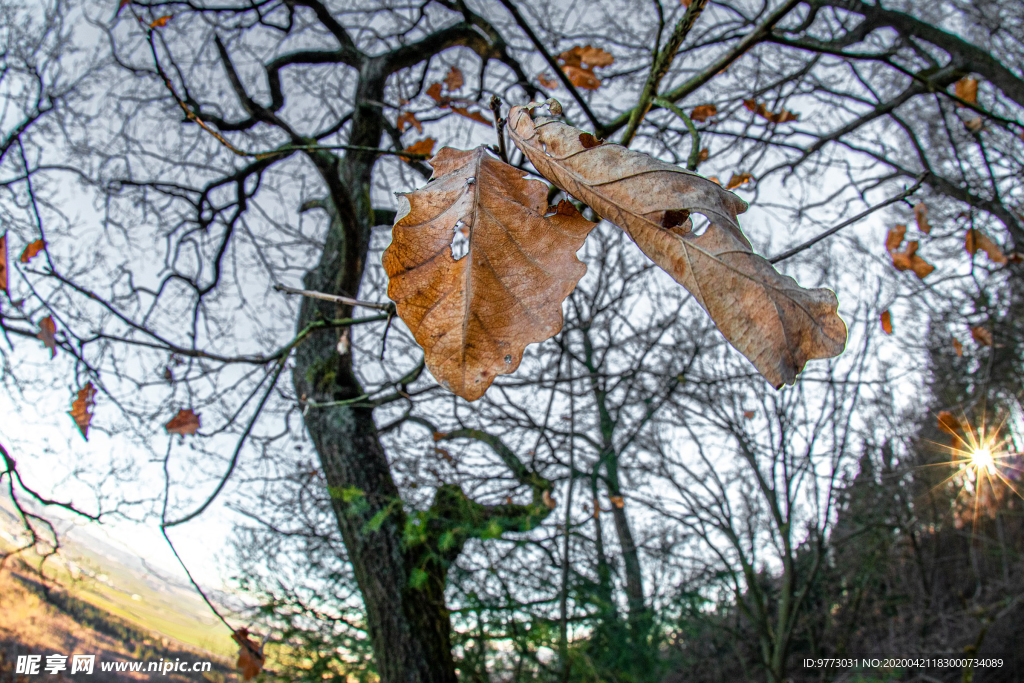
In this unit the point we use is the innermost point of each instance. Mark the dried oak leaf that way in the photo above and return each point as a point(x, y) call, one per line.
point(475, 315)
point(618, 501)
point(444, 101)
point(250, 655)
point(453, 81)
point(738, 179)
point(967, 90)
point(703, 112)
point(958, 348)
point(894, 238)
point(46, 332)
point(472, 115)
point(424, 146)
point(949, 423)
point(31, 250)
point(767, 316)
point(161, 22)
point(921, 215)
point(977, 240)
point(887, 322)
point(762, 111)
point(82, 407)
point(982, 335)
point(578, 63)
point(406, 119)
point(549, 501)
point(185, 422)
point(4, 278)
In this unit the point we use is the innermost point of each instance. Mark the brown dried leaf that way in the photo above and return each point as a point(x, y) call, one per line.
point(161, 22)
point(550, 502)
point(46, 331)
point(738, 179)
point(434, 92)
point(618, 501)
point(767, 316)
point(473, 115)
point(978, 240)
point(453, 81)
point(406, 119)
point(921, 214)
point(424, 146)
point(714, 179)
point(762, 111)
point(982, 335)
point(894, 239)
point(958, 347)
point(250, 655)
point(949, 423)
point(974, 125)
point(703, 155)
point(578, 63)
point(909, 260)
point(703, 112)
point(967, 90)
point(82, 407)
point(31, 250)
point(121, 5)
point(4, 277)
point(475, 315)
point(548, 82)
point(185, 422)
point(749, 414)
point(887, 322)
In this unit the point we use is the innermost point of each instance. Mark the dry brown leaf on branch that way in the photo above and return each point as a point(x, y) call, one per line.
point(185, 422)
point(703, 155)
point(749, 414)
point(767, 316)
point(949, 423)
point(618, 501)
point(250, 655)
point(161, 22)
point(977, 240)
point(444, 101)
point(908, 258)
point(475, 315)
point(887, 322)
point(472, 115)
point(453, 81)
point(703, 112)
point(82, 407)
point(46, 333)
point(974, 125)
point(762, 111)
point(121, 5)
point(549, 501)
point(967, 90)
point(958, 348)
point(406, 119)
point(738, 179)
point(424, 146)
point(4, 277)
point(578, 63)
point(982, 335)
point(548, 82)
point(31, 250)
point(921, 215)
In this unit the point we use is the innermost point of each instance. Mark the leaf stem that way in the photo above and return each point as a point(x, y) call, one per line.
point(691, 163)
point(388, 307)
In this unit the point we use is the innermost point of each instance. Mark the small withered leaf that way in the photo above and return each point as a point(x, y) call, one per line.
point(46, 333)
point(250, 655)
point(31, 250)
point(703, 112)
point(82, 407)
point(185, 422)
point(982, 335)
point(948, 422)
point(4, 277)
point(886, 322)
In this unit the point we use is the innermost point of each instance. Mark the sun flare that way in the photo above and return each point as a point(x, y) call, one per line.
point(982, 459)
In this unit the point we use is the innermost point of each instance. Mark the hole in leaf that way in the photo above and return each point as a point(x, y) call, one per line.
point(460, 240)
point(588, 140)
point(508, 359)
point(675, 218)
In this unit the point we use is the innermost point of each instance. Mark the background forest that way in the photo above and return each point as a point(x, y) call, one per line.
point(635, 503)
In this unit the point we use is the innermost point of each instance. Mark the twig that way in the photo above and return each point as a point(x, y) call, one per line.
point(662, 62)
point(833, 230)
point(499, 127)
point(388, 307)
point(691, 163)
point(514, 11)
point(750, 40)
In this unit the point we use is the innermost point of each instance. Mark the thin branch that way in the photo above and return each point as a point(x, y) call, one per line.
point(388, 307)
point(662, 62)
point(694, 159)
point(833, 230)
